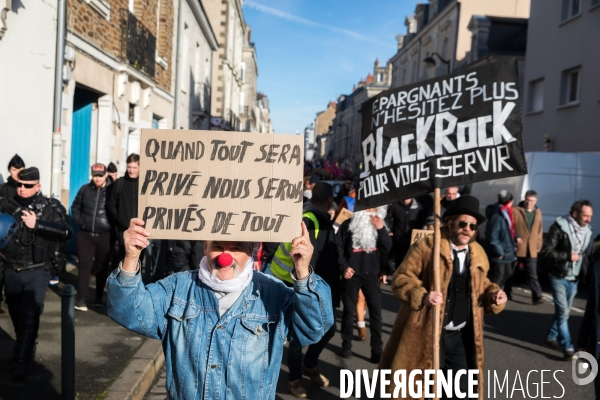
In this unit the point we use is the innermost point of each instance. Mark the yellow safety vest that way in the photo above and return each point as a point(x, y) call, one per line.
point(283, 265)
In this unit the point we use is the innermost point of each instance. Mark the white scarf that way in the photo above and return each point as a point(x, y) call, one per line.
point(578, 232)
point(231, 285)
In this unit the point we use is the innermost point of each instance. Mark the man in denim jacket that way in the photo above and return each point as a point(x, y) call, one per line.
point(222, 326)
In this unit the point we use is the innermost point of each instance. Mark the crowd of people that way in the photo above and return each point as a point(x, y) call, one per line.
point(301, 282)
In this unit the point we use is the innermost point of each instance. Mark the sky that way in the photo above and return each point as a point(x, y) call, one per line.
point(309, 52)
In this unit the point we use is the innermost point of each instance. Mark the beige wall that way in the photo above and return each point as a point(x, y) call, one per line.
point(440, 35)
point(228, 24)
point(468, 8)
point(324, 120)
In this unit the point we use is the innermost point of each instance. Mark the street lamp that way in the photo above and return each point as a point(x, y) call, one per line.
point(429, 62)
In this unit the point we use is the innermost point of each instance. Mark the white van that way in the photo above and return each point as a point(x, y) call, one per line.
point(559, 179)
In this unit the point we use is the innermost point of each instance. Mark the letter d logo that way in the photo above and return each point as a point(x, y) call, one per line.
point(583, 366)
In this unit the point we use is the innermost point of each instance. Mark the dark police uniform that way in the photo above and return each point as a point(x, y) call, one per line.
point(28, 261)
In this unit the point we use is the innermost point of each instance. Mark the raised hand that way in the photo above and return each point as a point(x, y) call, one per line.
point(135, 239)
point(302, 251)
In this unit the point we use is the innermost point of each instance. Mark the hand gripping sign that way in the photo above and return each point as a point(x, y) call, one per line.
point(212, 185)
point(459, 128)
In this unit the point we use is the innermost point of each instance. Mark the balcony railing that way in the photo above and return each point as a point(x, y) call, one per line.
point(138, 45)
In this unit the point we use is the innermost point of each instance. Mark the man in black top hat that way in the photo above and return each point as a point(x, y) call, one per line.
point(28, 261)
point(466, 295)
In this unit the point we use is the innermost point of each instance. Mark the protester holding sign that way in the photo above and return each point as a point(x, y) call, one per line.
point(223, 326)
point(466, 295)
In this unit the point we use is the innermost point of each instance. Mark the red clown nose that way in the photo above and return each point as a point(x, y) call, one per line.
point(225, 260)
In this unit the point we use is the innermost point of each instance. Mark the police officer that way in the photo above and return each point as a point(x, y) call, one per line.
point(28, 260)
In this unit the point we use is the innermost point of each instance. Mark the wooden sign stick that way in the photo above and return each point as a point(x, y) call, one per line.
point(437, 238)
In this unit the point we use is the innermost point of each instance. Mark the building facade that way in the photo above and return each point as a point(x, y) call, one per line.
point(121, 56)
point(442, 27)
point(347, 124)
point(27, 82)
point(196, 47)
point(227, 20)
point(322, 126)
point(562, 80)
point(249, 73)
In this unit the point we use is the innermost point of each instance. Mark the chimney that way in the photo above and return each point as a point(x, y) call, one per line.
point(400, 39)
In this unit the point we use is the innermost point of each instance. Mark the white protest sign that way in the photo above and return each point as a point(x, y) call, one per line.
point(213, 185)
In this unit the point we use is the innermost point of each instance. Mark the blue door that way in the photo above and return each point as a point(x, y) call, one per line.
point(80, 149)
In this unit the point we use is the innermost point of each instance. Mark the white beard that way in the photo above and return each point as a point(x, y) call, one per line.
point(364, 233)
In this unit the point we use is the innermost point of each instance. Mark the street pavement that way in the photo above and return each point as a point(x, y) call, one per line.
point(513, 342)
point(513, 345)
point(102, 351)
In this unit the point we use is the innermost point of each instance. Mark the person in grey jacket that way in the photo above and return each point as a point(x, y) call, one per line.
point(565, 254)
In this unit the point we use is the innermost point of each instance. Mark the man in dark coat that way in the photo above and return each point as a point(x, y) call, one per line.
point(565, 253)
point(405, 216)
point(589, 331)
point(122, 204)
point(325, 261)
point(186, 254)
point(9, 189)
point(501, 239)
point(93, 239)
point(28, 261)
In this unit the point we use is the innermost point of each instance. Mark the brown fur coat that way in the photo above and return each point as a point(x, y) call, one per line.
point(410, 345)
point(532, 241)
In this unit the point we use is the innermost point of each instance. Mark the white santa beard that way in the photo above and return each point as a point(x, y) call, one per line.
point(364, 233)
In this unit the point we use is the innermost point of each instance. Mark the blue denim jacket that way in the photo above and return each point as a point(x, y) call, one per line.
point(236, 356)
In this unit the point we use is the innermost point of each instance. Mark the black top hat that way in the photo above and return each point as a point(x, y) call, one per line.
point(465, 204)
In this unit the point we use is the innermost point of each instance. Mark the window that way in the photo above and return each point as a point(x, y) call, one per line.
point(570, 8)
point(242, 103)
point(536, 96)
point(243, 71)
point(569, 87)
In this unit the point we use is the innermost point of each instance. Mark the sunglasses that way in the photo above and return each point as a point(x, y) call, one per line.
point(27, 185)
point(464, 224)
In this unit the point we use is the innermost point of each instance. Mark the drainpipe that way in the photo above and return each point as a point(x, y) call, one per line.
point(58, 87)
point(177, 77)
